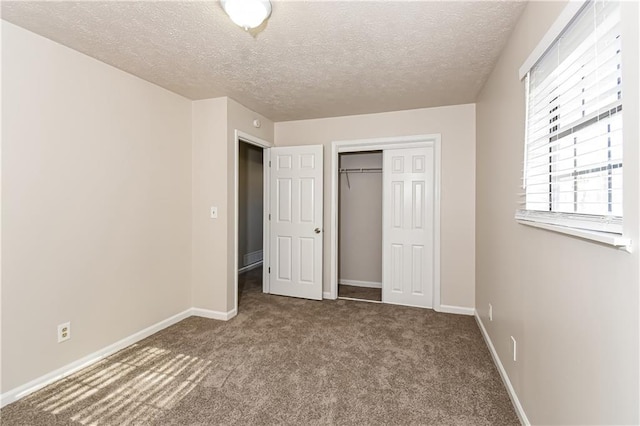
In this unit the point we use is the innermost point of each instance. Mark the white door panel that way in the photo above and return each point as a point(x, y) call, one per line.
point(296, 208)
point(408, 186)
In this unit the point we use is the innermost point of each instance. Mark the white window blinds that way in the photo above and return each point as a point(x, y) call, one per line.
point(573, 148)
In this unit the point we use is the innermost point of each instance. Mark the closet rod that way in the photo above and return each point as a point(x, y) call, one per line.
point(362, 170)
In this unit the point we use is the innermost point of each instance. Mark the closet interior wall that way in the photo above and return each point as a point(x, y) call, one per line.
point(360, 220)
point(250, 204)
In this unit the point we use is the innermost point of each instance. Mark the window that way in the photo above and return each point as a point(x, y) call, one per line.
point(573, 144)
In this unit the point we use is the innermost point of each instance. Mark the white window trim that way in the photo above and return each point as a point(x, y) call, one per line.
point(542, 221)
point(555, 222)
point(567, 14)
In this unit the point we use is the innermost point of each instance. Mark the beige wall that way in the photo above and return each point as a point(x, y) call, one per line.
point(360, 206)
point(571, 304)
point(95, 204)
point(109, 195)
point(214, 124)
point(456, 124)
point(209, 189)
point(250, 200)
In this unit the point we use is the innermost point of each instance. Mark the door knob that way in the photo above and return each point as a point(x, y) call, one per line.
point(317, 230)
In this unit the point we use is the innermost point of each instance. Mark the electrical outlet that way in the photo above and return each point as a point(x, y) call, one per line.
point(490, 312)
point(513, 343)
point(64, 332)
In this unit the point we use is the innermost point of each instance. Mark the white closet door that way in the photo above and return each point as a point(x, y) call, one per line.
point(296, 222)
point(408, 188)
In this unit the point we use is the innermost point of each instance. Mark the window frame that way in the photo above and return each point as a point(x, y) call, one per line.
point(600, 228)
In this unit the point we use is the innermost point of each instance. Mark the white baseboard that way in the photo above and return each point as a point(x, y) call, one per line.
point(253, 257)
point(250, 267)
point(460, 310)
point(62, 372)
point(217, 315)
point(327, 295)
point(356, 283)
point(503, 373)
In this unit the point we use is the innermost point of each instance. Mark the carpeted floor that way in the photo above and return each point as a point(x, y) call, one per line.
point(363, 293)
point(287, 361)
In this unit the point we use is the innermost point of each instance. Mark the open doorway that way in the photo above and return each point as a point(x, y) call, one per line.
point(292, 222)
point(250, 218)
point(360, 226)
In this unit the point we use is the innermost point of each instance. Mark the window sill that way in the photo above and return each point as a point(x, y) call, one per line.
point(614, 240)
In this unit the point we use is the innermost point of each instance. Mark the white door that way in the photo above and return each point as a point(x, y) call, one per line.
point(296, 222)
point(408, 214)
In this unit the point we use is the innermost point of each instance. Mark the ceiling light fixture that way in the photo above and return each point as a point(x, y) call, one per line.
point(247, 13)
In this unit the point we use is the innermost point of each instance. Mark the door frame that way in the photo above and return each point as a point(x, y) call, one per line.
point(377, 144)
point(240, 136)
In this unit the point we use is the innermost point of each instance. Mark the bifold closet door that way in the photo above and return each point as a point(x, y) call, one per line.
point(296, 221)
point(408, 234)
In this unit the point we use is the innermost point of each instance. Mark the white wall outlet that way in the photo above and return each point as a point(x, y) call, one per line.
point(64, 332)
point(214, 212)
point(513, 344)
point(490, 312)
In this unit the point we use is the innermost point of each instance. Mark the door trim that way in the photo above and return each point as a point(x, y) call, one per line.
point(376, 144)
point(240, 136)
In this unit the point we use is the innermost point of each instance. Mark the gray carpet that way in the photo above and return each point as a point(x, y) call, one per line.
point(363, 293)
point(287, 361)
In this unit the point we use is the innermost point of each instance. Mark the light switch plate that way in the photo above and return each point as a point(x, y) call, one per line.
point(214, 212)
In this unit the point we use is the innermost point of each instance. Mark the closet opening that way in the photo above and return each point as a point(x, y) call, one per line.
point(410, 232)
point(250, 219)
point(360, 206)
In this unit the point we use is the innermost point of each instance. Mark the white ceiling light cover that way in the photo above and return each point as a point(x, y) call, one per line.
point(247, 13)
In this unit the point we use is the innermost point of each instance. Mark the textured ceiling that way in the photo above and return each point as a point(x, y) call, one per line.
point(310, 60)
